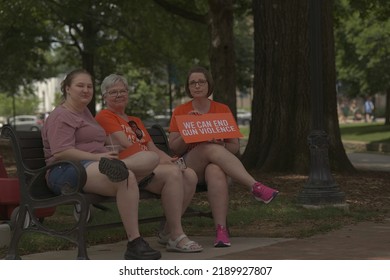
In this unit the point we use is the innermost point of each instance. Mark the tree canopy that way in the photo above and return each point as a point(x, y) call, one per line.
point(155, 42)
point(23, 44)
point(363, 55)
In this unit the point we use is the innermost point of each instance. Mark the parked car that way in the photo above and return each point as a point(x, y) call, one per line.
point(26, 122)
point(3, 121)
point(243, 117)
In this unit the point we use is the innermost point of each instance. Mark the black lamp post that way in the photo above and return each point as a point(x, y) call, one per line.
point(321, 188)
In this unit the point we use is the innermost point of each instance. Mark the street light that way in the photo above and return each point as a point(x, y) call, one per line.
point(320, 189)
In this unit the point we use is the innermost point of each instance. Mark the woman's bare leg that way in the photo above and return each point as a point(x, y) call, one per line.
point(206, 153)
point(142, 163)
point(217, 193)
point(126, 193)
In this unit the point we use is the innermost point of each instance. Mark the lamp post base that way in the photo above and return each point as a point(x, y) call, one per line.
point(321, 189)
point(321, 195)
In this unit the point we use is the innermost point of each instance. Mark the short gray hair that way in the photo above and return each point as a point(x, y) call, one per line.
point(111, 80)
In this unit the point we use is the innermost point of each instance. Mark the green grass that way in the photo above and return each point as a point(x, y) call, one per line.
point(245, 131)
point(364, 132)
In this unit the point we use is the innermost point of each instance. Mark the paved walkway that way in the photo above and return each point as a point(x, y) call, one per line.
point(363, 241)
point(370, 161)
point(115, 251)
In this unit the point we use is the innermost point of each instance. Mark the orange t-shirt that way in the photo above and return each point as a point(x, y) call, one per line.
point(134, 129)
point(184, 109)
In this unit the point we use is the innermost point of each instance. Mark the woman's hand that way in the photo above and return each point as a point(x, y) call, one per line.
point(110, 155)
point(179, 162)
point(76, 154)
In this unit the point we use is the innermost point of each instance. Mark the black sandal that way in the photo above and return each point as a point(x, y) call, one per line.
point(114, 169)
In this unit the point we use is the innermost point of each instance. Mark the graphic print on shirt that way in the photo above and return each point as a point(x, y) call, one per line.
point(137, 136)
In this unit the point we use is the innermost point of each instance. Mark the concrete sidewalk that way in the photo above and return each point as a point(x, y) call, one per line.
point(115, 251)
point(363, 241)
point(370, 161)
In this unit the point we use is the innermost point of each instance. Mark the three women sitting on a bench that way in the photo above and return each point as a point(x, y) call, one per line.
point(72, 133)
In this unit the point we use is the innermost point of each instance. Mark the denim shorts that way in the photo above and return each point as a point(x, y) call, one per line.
point(64, 176)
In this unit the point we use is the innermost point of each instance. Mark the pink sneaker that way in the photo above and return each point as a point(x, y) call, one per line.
point(263, 193)
point(222, 238)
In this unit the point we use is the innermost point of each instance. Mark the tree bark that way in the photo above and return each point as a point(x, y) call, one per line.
point(281, 108)
point(337, 156)
point(88, 54)
point(221, 52)
point(387, 110)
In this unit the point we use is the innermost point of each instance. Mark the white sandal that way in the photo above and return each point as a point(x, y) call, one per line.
point(172, 245)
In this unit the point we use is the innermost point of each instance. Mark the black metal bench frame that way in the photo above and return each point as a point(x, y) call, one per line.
point(34, 194)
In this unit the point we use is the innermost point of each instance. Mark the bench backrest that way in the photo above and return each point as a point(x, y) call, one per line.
point(159, 138)
point(29, 156)
point(31, 149)
point(28, 145)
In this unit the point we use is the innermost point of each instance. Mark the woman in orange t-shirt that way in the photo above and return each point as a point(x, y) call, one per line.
point(176, 185)
point(213, 161)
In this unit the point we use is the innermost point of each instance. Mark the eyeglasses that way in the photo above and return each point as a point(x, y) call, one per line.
point(201, 83)
point(116, 93)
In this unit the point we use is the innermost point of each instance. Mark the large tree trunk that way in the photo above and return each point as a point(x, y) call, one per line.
point(281, 109)
point(221, 52)
point(88, 54)
point(387, 110)
point(88, 64)
point(337, 156)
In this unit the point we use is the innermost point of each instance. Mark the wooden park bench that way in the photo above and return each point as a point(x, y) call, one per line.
point(35, 195)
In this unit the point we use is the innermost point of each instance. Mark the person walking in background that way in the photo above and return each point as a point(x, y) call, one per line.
point(344, 111)
point(355, 112)
point(369, 109)
point(71, 133)
point(213, 161)
point(176, 186)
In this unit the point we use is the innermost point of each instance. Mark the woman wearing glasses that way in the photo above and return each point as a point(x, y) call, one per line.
point(214, 161)
point(176, 185)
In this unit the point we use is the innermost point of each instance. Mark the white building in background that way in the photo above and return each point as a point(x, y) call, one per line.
point(45, 91)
